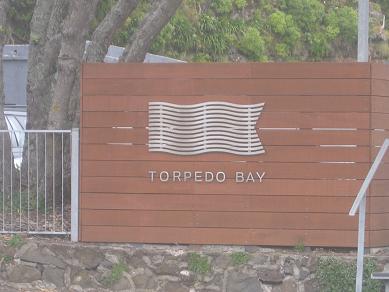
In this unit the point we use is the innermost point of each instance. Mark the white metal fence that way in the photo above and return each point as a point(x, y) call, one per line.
point(36, 182)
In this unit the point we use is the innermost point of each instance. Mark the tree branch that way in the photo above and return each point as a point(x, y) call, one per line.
point(102, 36)
point(159, 15)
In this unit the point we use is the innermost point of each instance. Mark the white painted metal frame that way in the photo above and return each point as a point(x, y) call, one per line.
point(75, 184)
point(363, 31)
point(360, 203)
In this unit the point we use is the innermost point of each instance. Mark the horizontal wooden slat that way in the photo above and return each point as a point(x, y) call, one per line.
point(380, 71)
point(266, 120)
point(379, 205)
point(378, 221)
point(379, 188)
point(230, 187)
point(268, 137)
point(272, 154)
point(272, 103)
point(270, 203)
point(379, 238)
point(272, 170)
point(378, 137)
point(380, 87)
point(247, 70)
point(379, 104)
point(380, 121)
point(218, 236)
point(192, 219)
point(182, 87)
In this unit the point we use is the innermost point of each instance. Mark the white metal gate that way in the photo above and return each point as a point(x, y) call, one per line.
point(36, 168)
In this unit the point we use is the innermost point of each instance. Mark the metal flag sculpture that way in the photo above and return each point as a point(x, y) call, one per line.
point(204, 128)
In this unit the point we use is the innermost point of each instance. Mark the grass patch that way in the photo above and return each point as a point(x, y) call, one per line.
point(6, 259)
point(240, 258)
point(335, 275)
point(115, 275)
point(198, 264)
point(15, 241)
point(299, 247)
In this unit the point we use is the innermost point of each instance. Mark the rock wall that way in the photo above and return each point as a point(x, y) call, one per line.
point(37, 264)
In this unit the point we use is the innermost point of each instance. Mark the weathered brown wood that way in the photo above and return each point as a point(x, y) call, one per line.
point(272, 154)
point(380, 71)
point(378, 221)
point(287, 204)
point(272, 137)
point(273, 170)
point(230, 187)
point(253, 70)
point(303, 197)
point(298, 103)
point(184, 87)
point(380, 121)
point(380, 104)
point(380, 87)
point(219, 236)
point(266, 120)
point(255, 220)
point(379, 238)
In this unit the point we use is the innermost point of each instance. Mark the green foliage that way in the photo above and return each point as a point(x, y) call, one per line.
point(19, 17)
point(16, 241)
point(198, 264)
point(115, 275)
point(6, 259)
point(240, 258)
point(222, 6)
point(335, 275)
point(252, 44)
point(300, 246)
point(240, 4)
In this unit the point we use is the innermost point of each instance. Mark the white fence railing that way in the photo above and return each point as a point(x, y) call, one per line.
point(360, 204)
point(36, 181)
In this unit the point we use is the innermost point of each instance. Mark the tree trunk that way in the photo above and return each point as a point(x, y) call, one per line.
point(72, 48)
point(98, 47)
point(45, 41)
point(102, 36)
point(160, 14)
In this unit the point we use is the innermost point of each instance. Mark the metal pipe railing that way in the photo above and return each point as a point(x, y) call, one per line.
point(360, 204)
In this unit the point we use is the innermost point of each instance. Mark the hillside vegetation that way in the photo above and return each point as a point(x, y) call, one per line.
point(253, 30)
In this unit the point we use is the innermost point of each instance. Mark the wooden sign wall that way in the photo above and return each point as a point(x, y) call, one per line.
point(319, 126)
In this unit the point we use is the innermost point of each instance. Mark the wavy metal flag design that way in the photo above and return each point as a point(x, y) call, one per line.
point(204, 127)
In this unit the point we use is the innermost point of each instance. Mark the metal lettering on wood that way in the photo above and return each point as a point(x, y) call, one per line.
point(260, 154)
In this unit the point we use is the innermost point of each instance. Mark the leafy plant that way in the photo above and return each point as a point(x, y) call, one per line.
point(6, 259)
point(15, 241)
point(335, 275)
point(198, 264)
point(240, 258)
point(299, 247)
point(252, 44)
point(115, 274)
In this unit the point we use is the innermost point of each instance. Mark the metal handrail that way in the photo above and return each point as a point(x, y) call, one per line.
point(360, 203)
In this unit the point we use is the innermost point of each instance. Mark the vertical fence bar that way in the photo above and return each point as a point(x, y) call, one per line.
point(28, 181)
point(45, 182)
point(53, 181)
point(20, 196)
point(62, 179)
point(3, 184)
point(37, 181)
point(361, 244)
point(11, 189)
point(74, 183)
